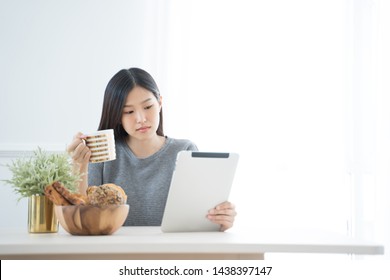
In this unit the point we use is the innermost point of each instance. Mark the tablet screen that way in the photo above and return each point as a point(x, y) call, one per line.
point(201, 181)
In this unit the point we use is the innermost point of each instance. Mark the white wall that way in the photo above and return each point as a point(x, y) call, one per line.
point(299, 89)
point(267, 80)
point(56, 58)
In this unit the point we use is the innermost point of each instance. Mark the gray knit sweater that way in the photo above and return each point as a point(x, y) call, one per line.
point(146, 181)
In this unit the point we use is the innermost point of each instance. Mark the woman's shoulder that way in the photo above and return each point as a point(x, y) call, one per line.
point(182, 144)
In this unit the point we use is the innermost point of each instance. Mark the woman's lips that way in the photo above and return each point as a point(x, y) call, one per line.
point(143, 128)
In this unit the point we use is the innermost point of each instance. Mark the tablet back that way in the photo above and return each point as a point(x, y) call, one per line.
point(199, 183)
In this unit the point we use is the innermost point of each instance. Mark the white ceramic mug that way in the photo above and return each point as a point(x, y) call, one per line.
point(102, 145)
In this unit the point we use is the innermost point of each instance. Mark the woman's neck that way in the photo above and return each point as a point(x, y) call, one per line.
point(146, 147)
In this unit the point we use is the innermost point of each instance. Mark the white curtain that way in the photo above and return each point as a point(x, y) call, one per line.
point(298, 89)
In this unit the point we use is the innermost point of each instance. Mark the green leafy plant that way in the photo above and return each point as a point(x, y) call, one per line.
point(31, 176)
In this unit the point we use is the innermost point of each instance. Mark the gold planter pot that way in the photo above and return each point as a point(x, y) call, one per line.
point(41, 216)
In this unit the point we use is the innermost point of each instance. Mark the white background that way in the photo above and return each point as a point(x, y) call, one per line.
point(298, 88)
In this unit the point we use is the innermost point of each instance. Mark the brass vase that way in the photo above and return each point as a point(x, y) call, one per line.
point(41, 216)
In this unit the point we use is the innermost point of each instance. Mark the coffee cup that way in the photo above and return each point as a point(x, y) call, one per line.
point(102, 145)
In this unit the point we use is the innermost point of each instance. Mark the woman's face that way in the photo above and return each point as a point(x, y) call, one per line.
point(140, 115)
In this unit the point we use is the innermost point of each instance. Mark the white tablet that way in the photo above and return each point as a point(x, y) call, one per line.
point(199, 183)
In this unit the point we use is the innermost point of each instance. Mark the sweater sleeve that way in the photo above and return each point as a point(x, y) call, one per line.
point(191, 146)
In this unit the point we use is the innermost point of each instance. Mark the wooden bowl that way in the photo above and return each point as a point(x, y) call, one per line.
point(91, 220)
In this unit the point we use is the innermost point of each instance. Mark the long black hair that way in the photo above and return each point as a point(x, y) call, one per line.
point(115, 96)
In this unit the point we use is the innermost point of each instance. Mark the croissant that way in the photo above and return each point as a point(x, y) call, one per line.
point(60, 195)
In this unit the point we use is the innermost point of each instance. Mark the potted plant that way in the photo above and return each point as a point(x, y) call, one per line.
point(30, 177)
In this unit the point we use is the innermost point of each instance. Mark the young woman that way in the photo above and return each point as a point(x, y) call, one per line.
point(146, 158)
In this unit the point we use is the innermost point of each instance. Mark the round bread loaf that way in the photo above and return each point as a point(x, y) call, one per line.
point(106, 194)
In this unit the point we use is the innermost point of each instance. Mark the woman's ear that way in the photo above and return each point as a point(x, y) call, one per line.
point(160, 102)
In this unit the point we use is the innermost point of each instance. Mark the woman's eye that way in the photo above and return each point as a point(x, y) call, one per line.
point(148, 107)
point(129, 112)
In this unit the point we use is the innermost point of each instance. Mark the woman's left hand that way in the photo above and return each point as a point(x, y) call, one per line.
point(223, 214)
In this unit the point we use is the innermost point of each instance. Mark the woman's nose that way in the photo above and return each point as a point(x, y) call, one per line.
point(140, 117)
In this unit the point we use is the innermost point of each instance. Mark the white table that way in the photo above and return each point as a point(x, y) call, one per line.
point(151, 243)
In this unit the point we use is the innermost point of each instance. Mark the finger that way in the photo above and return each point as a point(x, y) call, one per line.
point(225, 222)
point(223, 214)
point(226, 212)
point(87, 155)
point(225, 205)
point(80, 152)
point(77, 139)
point(225, 227)
point(228, 216)
point(221, 219)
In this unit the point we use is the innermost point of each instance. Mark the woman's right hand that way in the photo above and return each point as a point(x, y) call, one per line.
point(79, 152)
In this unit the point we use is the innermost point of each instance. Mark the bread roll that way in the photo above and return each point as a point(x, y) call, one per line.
point(106, 194)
